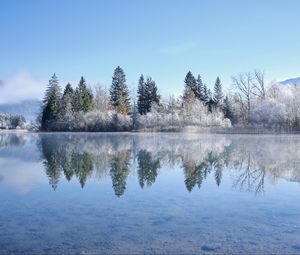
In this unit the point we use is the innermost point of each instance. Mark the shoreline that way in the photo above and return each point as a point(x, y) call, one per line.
point(186, 130)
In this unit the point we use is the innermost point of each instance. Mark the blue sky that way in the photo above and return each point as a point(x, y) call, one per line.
point(161, 38)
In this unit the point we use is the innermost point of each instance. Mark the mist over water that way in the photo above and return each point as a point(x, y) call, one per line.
point(149, 193)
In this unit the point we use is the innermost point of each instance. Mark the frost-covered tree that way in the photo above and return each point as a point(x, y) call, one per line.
point(102, 99)
point(269, 113)
point(205, 98)
point(50, 107)
point(244, 92)
point(119, 92)
point(134, 115)
point(190, 84)
point(218, 93)
point(83, 98)
point(151, 94)
point(200, 89)
point(141, 94)
point(66, 104)
point(227, 110)
point(210, 101)
point(8, 121)
point(147, 94)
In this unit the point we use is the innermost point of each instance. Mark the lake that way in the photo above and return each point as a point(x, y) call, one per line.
point(163, 193)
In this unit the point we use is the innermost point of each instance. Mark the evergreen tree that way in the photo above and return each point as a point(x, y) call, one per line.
point(205, 98)
point(134, 115)
point(210, 101)
point(119, 92)
point(190, 84)
point(218, 93)
point(200, 88)
point(83, 99)
point(141, 102)
point(66, 106)
point(151, 94)
point(227, 110)
point(147, 94)
point(50, 108)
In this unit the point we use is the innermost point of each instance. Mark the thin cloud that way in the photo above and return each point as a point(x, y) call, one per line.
point(21, 86)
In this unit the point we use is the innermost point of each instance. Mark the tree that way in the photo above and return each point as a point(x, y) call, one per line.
point(227, 110)
point(134, 115)
point(258, 84)
point(83, 100)
point(102, 100)
point(151, 94)
point(147, 94)
point(50, 107)
point(190, 84)
point(119, 92)
point(218, 94)
point(200, 88)
point(210, 101)
point(205, 98)
point(243, 83)
point(141, 102)
point(66, 106)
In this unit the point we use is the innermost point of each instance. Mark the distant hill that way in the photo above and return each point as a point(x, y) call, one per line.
point(293, 81)
point(28, 108)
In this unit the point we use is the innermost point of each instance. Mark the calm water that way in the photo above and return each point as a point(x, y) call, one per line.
point(149, 193)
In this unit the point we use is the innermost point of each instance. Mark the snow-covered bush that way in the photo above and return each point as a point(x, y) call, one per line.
point(193, 114)
point(270, 113)
point(94, 121)
point(12, 121)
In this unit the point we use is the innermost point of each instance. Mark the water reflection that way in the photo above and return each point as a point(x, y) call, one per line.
point(249, 160)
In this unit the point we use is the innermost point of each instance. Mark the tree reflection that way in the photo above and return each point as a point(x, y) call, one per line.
point(147, 168)
point(12, 140)
point(120, 171)
point(250, 176)
point(250, 161)
point(195, 174)
point(60, 158)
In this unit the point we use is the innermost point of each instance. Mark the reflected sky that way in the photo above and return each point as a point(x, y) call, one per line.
point(149, 193)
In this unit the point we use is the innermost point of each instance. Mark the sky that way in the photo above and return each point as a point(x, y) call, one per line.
point(160, 38)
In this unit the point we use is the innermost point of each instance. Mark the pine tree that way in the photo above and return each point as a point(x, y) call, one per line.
point(50, 108)
point(66, 106)
point(134, 115)
point(205, 94)
point(227, 110)
point(210, 101)
point(218, 94)
point(200, 87)
point(190, 84)
point(119, 92)
point(151, 94)
point(141, 96)
point(83, 98)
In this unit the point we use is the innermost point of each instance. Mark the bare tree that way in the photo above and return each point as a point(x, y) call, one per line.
point(101, 98)
point(258, 84)
point(243, 82)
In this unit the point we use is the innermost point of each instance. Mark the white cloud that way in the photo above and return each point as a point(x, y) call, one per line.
point(21, 86)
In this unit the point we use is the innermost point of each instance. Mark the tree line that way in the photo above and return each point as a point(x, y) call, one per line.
point(251, 103)
point(62, 109)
